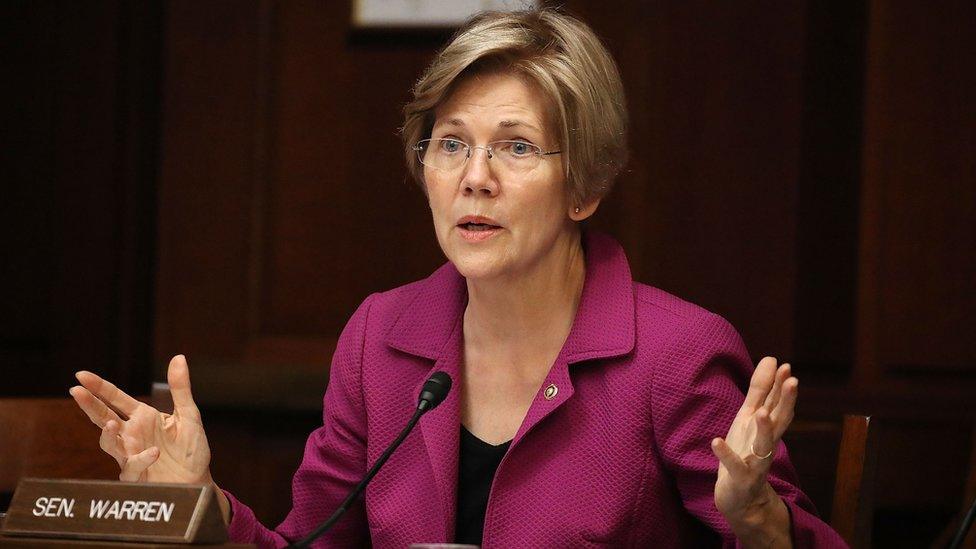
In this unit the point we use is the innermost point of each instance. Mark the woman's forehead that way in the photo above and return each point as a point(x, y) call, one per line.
point(497, 100)
point(517, 122)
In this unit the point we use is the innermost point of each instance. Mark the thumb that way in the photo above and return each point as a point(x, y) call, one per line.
point(135, 467)
point(178, 376)
point(727, 457)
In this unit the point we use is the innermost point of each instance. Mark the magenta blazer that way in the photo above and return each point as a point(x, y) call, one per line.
point(615, 454)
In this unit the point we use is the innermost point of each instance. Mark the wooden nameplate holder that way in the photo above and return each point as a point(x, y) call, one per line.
point(115, 511)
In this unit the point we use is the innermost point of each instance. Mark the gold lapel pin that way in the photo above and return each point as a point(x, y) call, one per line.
point(550, 391)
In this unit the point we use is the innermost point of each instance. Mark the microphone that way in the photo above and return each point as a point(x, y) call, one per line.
point(434, 391)
point(964, 528)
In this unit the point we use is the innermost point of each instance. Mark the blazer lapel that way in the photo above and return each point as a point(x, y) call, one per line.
point(430, 327)
point(441, 428)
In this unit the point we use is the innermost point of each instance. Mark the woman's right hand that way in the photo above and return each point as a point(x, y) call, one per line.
point(150, 446)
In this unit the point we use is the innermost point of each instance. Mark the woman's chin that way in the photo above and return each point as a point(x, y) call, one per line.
point(477, 266)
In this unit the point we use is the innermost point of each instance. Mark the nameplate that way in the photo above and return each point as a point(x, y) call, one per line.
point(115, 511)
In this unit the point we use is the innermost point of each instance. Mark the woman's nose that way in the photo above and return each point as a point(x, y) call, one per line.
point(477, 177)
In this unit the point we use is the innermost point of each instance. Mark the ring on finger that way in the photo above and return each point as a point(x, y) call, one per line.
point(752, 448)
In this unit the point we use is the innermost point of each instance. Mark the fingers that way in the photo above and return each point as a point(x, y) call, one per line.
point(782, 373)
point(95, 409)
point(761, 382)
point(133, 466)
point(728, 458)
point(782, 414)
point(107, 392)
point(111, 442)
point(137, 465)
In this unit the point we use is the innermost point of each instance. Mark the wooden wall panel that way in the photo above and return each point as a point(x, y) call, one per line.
point(283, 185)
point(206, 176)
point(343, 222)
point(829, 186)
point(79, 111)
point(919, 197)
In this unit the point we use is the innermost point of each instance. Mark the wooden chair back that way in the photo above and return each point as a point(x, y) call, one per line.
point(53, 438)
point(852, 512)
point(49, 437)
point(843, 456)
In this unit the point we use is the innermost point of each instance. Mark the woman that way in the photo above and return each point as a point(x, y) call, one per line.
point(589, 410)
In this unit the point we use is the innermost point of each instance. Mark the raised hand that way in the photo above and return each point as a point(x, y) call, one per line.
point(742, 493)
point(149, 446)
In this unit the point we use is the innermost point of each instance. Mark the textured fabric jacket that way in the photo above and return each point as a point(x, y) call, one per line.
point(614, 454)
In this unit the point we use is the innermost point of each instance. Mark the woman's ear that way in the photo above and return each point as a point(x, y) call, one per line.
point(582, 211)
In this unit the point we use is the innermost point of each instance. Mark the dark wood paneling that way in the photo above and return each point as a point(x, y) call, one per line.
point(206, 176)
point(918, 203)
point(282, 185)
point(829, 186)
point(255, 455)
point(338, 200)
point(921, 169)
point(79, 132)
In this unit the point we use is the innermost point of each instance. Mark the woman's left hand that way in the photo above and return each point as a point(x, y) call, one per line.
point(742, 493)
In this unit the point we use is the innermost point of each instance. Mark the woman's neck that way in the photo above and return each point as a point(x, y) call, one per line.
point(529, 315)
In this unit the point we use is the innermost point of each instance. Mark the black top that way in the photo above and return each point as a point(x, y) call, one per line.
point(477, 464)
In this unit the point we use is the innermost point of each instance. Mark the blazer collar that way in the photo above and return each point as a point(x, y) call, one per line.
point(603, 327)
point(605, 320)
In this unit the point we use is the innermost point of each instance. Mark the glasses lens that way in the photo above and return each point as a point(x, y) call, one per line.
point(517, 156)
point(443, 154)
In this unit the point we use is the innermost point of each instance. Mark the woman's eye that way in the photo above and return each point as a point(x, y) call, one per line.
point(450, 145)
point(517, 148)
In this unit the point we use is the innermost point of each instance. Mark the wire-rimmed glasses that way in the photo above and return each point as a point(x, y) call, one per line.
point(451, 154)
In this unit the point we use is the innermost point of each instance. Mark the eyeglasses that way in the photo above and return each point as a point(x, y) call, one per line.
point(451, 154)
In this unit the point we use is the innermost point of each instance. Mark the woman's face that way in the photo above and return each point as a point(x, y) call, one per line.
point(519, 217)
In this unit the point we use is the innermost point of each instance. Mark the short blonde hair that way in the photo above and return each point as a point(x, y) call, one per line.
point(564, 58)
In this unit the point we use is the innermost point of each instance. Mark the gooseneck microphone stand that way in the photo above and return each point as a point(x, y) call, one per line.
point(964, 528)
point(434, 391)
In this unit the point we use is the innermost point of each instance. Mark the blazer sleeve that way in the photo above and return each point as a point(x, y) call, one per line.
point(697, 391)
point(334, 460)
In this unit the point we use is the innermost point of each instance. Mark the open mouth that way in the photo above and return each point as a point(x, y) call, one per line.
point(477, 226)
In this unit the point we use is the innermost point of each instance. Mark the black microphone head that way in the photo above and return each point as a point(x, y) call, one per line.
point(434, 391)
